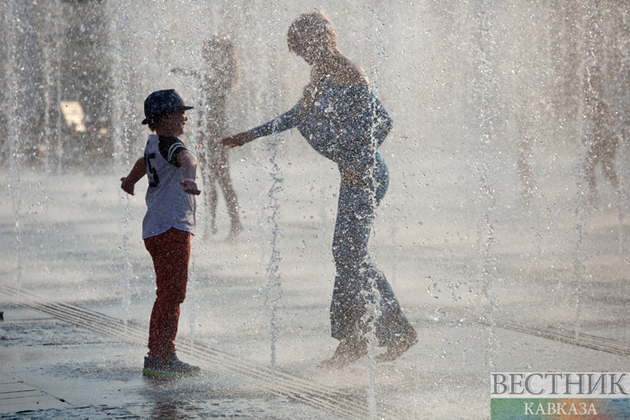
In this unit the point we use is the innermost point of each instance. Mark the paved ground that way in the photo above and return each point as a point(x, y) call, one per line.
point(53, 369)
point(541, 290)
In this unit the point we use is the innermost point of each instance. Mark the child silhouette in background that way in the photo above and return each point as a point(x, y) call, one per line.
point(219, 76)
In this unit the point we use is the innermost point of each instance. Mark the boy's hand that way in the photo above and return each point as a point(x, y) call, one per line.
point(137, 172)
point(127, 186)
point(190, 186)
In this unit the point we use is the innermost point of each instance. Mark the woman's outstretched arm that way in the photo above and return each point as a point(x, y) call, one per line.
point(281, 123)
point(239, 139)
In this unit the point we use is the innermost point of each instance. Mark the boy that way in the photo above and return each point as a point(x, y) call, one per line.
point(168, 223)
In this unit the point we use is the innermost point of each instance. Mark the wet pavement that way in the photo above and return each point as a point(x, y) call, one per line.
point(550, 294)
point(54, 370)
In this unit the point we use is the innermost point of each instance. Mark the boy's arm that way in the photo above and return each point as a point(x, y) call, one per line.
point(137, 172)
point(189, 165)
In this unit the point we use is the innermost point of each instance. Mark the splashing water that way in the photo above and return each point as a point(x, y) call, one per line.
point(373, 311)
point(121, 140)
point(273, 289)
point(592, 32)
point(14, 132)
point(426, 83)
point(486, 93)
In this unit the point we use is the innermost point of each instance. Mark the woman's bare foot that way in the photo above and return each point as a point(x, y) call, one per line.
point(348, 351)
point(398, 347)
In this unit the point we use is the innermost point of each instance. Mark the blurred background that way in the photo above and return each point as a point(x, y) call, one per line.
point(75, 72)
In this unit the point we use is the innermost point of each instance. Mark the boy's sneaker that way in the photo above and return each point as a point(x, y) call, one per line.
point(171, 367)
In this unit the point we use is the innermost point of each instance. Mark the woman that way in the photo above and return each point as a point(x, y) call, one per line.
point(340, 118)
point(220, 76)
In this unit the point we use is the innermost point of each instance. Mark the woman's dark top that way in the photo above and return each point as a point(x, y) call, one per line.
point(346, 124)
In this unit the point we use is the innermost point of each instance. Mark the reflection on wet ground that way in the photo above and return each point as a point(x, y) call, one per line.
point(96, 365)
point(246, 390)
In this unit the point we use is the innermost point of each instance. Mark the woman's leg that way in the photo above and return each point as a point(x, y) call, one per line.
point(347, 307)
point(358, 281)
point(349, 252)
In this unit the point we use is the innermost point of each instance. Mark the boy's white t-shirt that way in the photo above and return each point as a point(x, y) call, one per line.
point(168, 205)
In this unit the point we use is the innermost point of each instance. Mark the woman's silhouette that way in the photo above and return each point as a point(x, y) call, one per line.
point(340, 117)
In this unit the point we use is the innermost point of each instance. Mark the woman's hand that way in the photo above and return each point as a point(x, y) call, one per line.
point(238, 139)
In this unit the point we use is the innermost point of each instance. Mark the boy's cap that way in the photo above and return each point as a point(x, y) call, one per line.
point(162, 102)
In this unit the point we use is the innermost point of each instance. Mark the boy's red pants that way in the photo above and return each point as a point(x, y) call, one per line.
point(171, 254)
